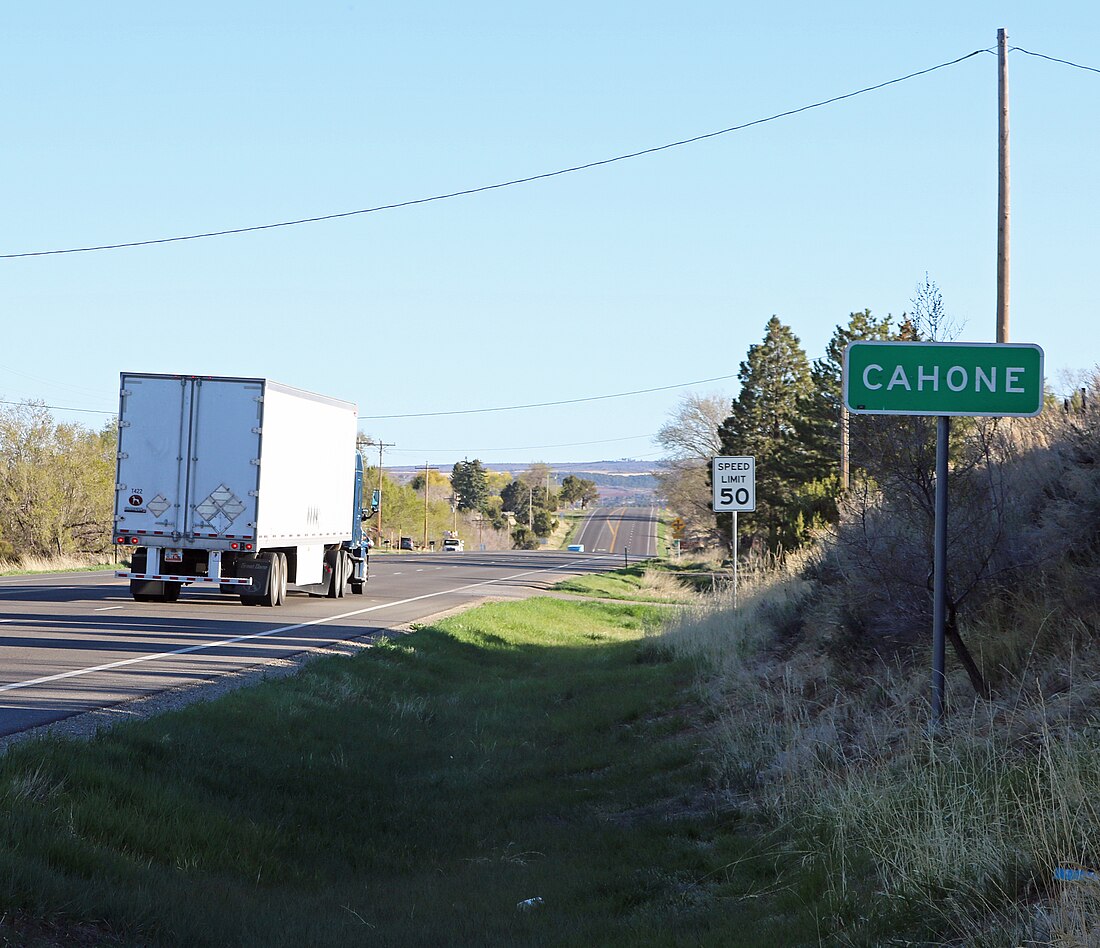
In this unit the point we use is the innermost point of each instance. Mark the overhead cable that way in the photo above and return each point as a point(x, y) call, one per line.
point(1064, 62)
point(526, 447)
point(564, 401)
point(500, 184)
point(34, 404)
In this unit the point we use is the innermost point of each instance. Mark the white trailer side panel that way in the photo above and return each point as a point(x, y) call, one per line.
point(307, 471)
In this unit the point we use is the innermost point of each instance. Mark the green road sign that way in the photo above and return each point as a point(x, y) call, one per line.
point(943, 378)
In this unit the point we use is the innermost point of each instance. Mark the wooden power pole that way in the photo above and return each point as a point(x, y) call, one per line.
point(1002, 189)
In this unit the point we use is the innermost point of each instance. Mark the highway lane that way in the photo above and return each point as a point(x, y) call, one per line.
point(615, 530)
point(75, 642)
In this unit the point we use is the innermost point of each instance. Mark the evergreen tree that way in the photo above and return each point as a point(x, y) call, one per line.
point(470, 483)
point(775, 381)
point(819, 415)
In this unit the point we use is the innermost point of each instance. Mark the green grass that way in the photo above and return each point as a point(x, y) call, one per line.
point(412, 795)
point(648, 581)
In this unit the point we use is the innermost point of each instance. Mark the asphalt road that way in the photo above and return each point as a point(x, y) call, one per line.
point(75, 642)
point(617, 530)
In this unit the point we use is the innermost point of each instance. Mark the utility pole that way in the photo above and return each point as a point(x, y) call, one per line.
point(381, 444)
point(425, 546)
point(1002, 188)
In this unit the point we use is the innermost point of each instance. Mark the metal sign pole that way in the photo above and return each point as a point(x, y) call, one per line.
point(733, 545)
point(939, 581)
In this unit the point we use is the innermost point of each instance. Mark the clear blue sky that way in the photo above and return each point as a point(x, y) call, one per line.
point(130, 121)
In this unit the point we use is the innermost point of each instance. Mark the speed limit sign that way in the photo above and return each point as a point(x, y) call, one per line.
point(734, 481)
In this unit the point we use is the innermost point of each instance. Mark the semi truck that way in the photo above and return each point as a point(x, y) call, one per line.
point(242, 486)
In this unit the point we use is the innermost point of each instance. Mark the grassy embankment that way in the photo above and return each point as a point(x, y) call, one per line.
point(957, 836)
point(649, 581)
point(412, 795)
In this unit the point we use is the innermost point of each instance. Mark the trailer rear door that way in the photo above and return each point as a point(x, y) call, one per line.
point(224, 474)
point(152, 447)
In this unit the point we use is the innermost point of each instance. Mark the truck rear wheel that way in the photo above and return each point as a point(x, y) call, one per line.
point(171, 592)
point(337, 562)
point(280, 578)
point(270, 595)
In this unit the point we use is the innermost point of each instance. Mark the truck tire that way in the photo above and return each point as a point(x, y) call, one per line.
point(336, 560)
point(280, 572)
point(171, 592)
point(269, 597)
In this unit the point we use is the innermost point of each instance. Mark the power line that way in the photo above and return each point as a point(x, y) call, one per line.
point(526, 447)
point(32, 404)
point(1064, 62)
point(460, 411)
point(501, 184)
point(564, 401)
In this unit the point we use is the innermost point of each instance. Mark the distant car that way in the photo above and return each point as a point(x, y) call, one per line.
point(406, 544)
point(453, 545)
point(576, 548)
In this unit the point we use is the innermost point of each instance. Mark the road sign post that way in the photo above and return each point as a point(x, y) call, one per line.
point(943, 379)
point(734, 482)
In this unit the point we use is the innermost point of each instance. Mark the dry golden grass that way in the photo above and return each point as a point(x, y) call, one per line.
point(54, 564)
point(970, 823)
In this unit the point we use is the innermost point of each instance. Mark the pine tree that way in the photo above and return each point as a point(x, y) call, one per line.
point(763, 422)
point(819, 414)
point(470, 483)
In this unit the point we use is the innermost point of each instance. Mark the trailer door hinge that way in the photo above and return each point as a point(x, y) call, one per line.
point(253, 493)
point(256, 461)
point(122, 455)
point(124, 393)
point(257, 430)
point(124, 424)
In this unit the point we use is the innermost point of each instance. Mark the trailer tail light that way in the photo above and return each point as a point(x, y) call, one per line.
point(234, 546)
point(120, 539)
point(248, 546)
point(135, 540)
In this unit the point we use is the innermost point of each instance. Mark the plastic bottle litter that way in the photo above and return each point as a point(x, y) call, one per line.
point(527, 904)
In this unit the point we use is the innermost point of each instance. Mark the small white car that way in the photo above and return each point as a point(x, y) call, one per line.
point(453, 545)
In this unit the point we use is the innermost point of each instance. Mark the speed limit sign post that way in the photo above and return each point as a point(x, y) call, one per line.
point(734, 482)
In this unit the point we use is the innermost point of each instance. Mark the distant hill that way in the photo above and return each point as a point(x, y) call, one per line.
point(626, 481)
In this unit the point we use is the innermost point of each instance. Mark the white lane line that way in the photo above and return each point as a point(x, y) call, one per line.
point(107, 608)
point(76, 673)
point(7, 620)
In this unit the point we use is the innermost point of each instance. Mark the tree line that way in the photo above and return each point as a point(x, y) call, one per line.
point(56, 485)
point(479, 504)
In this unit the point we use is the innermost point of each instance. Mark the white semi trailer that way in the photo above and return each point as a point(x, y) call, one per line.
point(237, 485)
